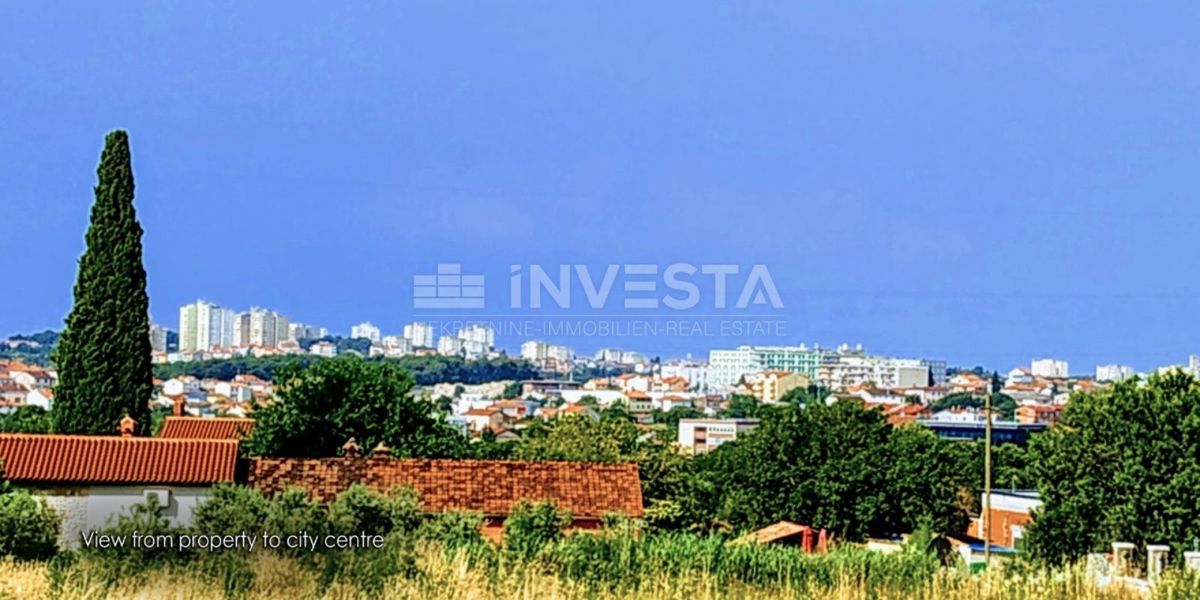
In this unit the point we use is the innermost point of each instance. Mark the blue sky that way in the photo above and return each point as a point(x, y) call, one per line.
point(981, 183)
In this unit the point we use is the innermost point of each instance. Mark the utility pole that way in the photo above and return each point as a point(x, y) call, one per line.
point(987, 478)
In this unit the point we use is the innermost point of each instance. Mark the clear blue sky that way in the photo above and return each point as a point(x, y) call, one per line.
point(985, 184)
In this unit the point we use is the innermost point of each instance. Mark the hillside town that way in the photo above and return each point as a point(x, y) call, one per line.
point(906, 390)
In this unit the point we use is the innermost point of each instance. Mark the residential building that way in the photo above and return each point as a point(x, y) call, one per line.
point(91, 480)
point(450, 346)
point(1009, 513)
point(477, 340)
point(261, 328)
point(937, 370)
point(1049, 367)
point(158, 338)
point(203, 326)
point(618, 356)
point(1039, 413)
point(698, 374)
point(729, 366)
point(182, 427)
point(1119, 372)
point(771, 386)
point(483, 419)
point(419, 335)
point(300, 331)
point(843, 370)
point(366, 330)
point(395, 345)
point(327, 349)
point(540, 352)
point(589, 492)
point(698, 436)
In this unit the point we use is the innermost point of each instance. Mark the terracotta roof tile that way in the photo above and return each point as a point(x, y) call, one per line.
point(490, 487)
point(201, 428)
point(111, 459)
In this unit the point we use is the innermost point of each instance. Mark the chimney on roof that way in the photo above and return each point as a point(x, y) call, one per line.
point(180, 404)
point(127, 426)
point(350, 449)
point(382, 449)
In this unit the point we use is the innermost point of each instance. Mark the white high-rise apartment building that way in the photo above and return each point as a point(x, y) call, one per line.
point(880, 371)
point(260, 327)
point(1114, 372)
point(158, 338)
point(538, 351)
point(419, 335)
point(300, 331)
point(477, 340)
point(728, 366)
point(1049, 367)
point(366, 330)
point(450, 345)
point(203, 326)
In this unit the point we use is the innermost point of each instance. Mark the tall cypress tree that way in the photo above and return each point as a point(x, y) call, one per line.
point(103, 357)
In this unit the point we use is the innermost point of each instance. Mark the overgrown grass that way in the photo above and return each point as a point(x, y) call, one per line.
point(583, 565)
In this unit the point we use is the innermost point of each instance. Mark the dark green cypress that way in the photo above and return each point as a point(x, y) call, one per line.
point(103, 357)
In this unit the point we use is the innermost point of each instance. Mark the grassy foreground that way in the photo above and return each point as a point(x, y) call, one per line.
point(438, 575)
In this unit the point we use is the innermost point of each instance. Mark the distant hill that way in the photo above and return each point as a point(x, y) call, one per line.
point(33, 348)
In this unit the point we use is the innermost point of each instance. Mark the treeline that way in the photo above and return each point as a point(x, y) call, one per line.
point(34, 349)
point(425, 369)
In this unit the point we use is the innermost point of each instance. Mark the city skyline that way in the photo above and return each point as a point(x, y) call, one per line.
point(981, 184)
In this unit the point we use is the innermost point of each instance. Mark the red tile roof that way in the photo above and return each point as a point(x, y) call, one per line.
point(200, 428)
point(490, 487)
point(111, 459)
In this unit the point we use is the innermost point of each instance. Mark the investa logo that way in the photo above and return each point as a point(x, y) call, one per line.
point(641, 285)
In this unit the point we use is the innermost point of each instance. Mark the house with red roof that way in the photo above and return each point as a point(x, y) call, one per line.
point(590, 491)
point(89, 479)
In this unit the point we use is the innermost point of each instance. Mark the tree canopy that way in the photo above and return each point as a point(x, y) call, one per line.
point(103, 356)
point(320, 407)
point(1120, 466)
point(840, 467)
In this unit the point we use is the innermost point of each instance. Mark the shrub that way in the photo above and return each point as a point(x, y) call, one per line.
point(361, 510)
point(231, 510)
point(454, 530)
point(119, 563)
point(530, 527)
point(26, 419)
point(293, 511)
point(28, 527)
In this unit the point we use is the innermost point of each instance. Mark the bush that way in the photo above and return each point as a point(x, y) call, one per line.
point(26, 419)
point(128, 562)
point(231, 510)
point(361, 510)
point(454, 530)
point(530, 527)
point(293, 511)
point(28, 527)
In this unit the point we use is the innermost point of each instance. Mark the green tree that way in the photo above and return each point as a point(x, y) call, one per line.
point(28, 527)
point(319, 407)
point(665, 472)
point(741, 407)
point(581, 439)
point(26, 419)
point(925, 478)
point(839, 466)
point(531, 527)
point(103, 357)
point(1120, 466)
